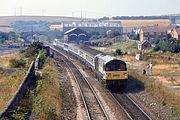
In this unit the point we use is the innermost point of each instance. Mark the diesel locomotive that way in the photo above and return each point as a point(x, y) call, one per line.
point(110, 70)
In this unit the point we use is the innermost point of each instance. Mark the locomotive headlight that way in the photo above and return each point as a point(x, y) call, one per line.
point(108, 75)
point(125, 75)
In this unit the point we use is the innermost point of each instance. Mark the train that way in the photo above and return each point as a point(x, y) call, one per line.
point(110, 70)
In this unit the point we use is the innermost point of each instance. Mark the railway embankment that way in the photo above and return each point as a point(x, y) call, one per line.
point(17, 76)
point(44, 96)
point(27, 85)
point(41, 99)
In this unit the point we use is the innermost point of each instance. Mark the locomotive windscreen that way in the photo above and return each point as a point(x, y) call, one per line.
point(115, 65)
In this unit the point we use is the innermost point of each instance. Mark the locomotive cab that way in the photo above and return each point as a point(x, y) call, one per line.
point(115, 73)
point(115, 70)
point(115, 65)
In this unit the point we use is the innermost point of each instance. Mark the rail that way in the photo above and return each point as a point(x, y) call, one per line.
point(130, 108)
point(93, 105)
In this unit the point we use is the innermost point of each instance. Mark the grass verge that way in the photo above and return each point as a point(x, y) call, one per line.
point(160, 92)
point(43, 100)
point(46, 95)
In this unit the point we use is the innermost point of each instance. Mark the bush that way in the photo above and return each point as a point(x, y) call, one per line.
point(22, 51)
point(112, 33)
point(42, 59)
point(94, 33)
point(33, 49)
point(156, 48)
point(118, 52)
point(17, 63)
point(169, 45)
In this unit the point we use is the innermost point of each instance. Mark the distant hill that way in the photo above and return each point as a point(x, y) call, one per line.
point(7, 20)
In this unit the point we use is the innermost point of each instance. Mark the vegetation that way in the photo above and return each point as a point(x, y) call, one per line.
point(43, 100)
point(112, 33)
point(10, 79)
point(94, 33)
point(22, 111)
point(135, 17)
point(4, 60)
point(33, 50)
point(9, 82)
point(42, 59)
point(139, 17)
point(160, 92)
point(134, 36)
point(104, 18)
point(126, 46)
point(46, 94)
point(8, 36)
point(118, 52)
point(12, 36)
point(119, 45)
point(168, 46)
point(3, 37)
point(17, 63)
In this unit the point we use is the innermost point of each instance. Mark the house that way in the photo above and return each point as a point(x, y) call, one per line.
point(76, 35)
point(57, 27)
point(156, 32)
point(144, 44)
point(175, 33)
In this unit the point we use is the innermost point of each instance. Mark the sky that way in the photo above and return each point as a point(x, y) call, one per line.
point(89, 8)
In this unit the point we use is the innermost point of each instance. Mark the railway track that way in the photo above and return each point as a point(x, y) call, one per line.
point(130, 108)
point(92, 104)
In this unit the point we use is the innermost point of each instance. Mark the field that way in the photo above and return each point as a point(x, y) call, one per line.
point(44, 98)
point(9, 81)
point(5, 59)
point(7, 20)
point(6, 29)
point(140, 23)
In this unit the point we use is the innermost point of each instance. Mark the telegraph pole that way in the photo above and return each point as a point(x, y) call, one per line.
point(42, 12)
point(85, 15)
point(81, 14)
point(72, 14)
point(14, 11)
point(32, 34)
point(20, 11)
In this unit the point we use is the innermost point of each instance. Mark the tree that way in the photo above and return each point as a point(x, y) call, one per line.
point(94, 33)
point(118, 52)
point(112, 33)
point(12, 36)
point(170, 45)
point(104, 18)
point(3, 37)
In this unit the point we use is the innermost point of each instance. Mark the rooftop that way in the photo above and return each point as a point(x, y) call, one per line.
point(91, 24)
point(70, 30)
point(89, 50)
point(178, 30)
